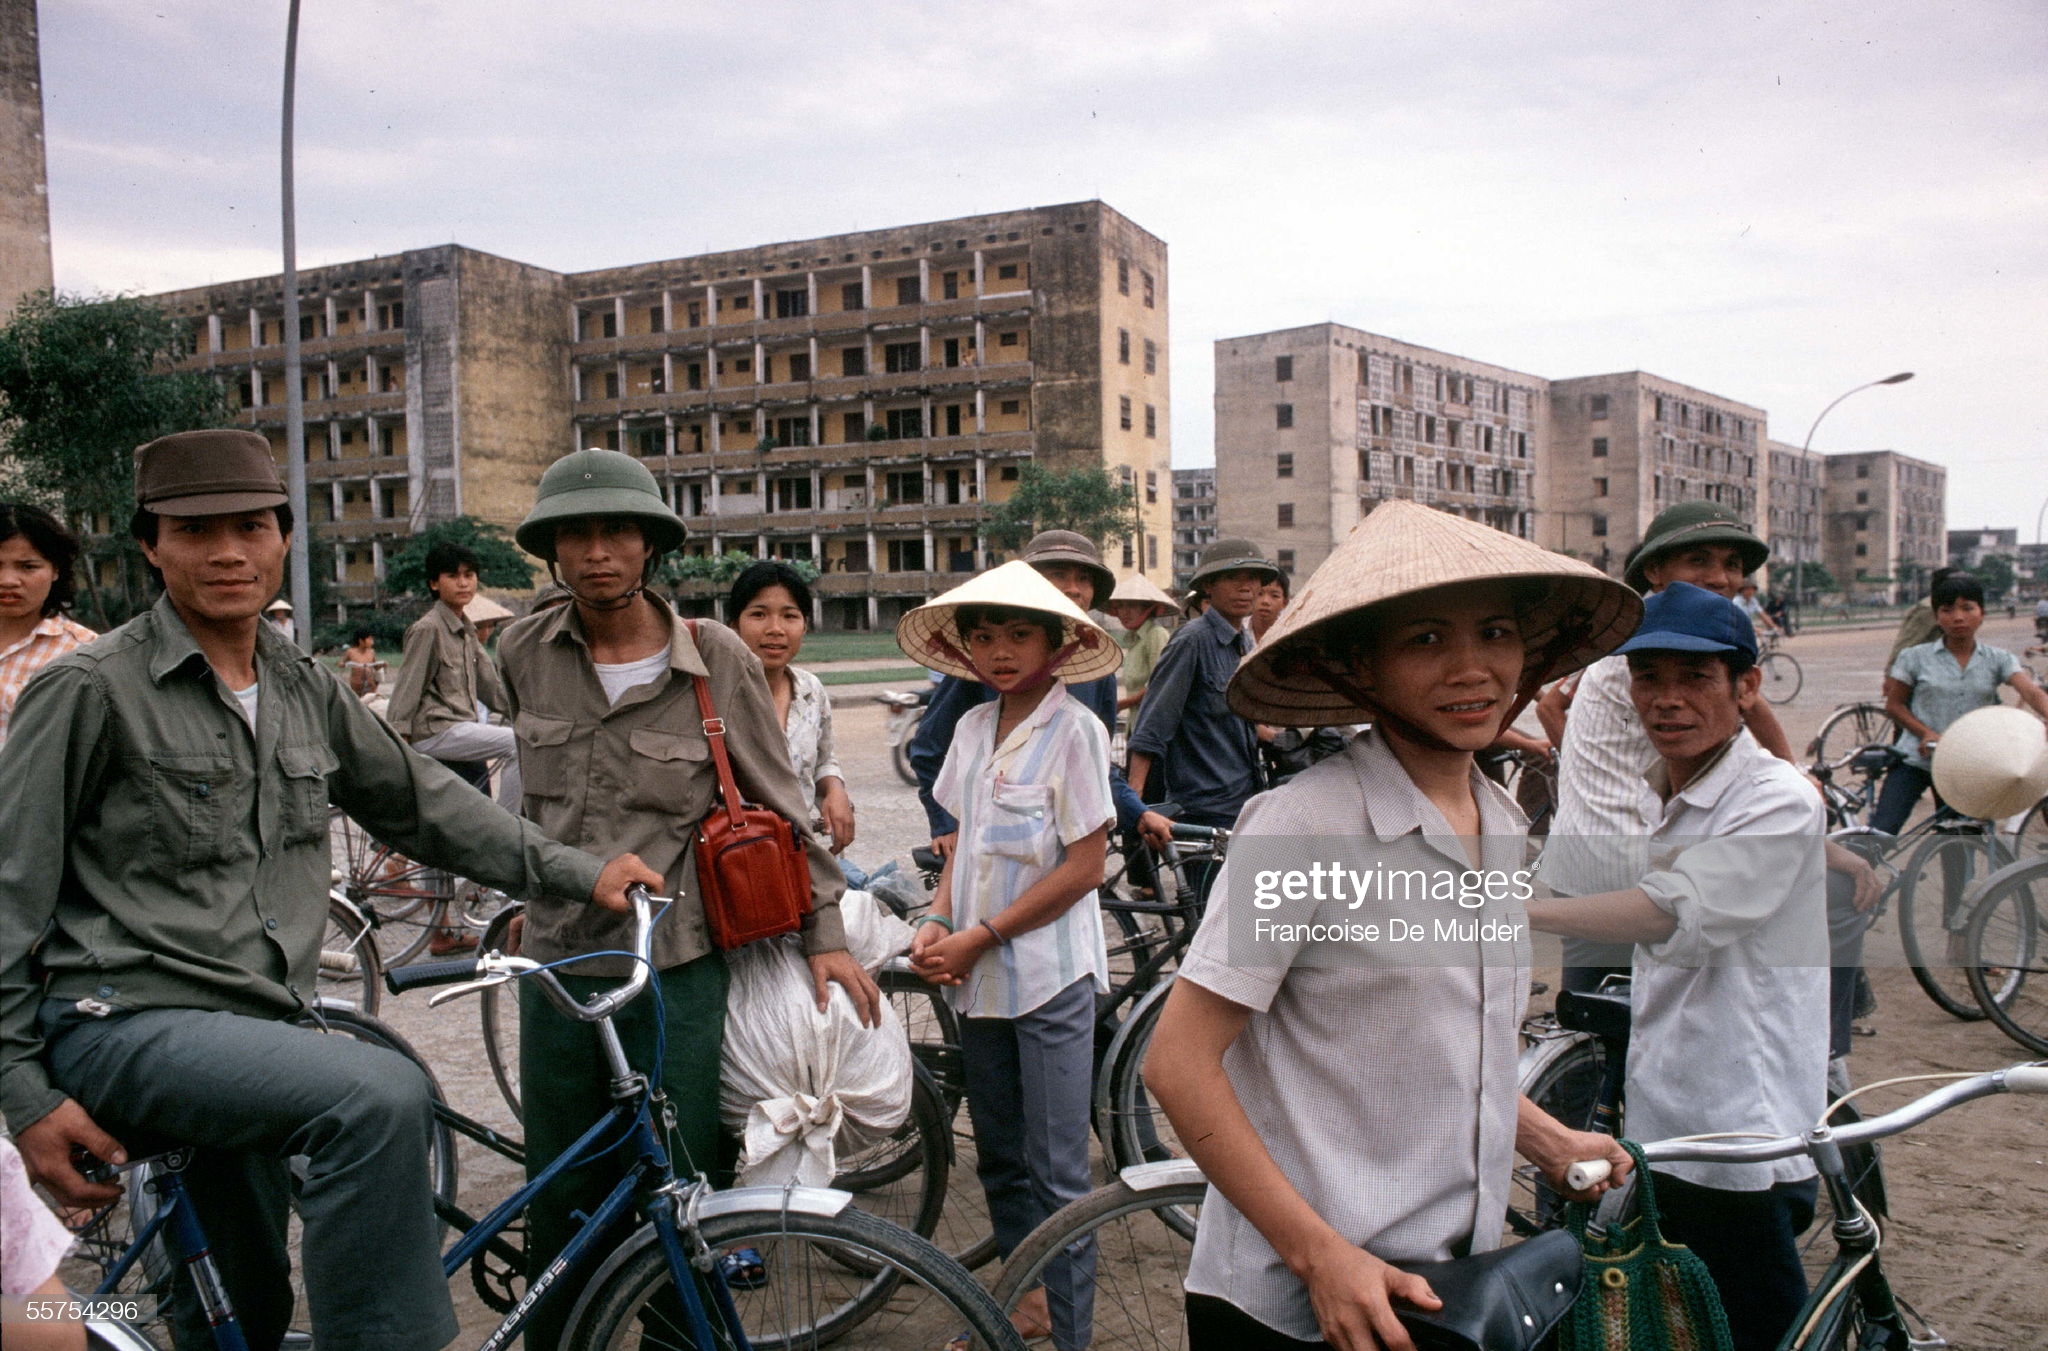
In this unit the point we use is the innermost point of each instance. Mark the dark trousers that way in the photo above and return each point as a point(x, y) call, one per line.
point(1750, 1243)
point(565, 1087)
point(1028, 1083)
point(1218, 1325)
point(1846, 927)
point(1896, 798)
point(248, 1095)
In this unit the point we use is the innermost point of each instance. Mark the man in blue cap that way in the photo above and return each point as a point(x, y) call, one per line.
point(1730, 988)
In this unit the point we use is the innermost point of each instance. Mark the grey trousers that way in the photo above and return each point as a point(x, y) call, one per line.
point(1029, 1082)
point(248, 1095)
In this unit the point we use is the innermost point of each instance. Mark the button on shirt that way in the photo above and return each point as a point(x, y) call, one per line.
point(182, 855)
point(1386, 1094)
point(447, 676)
point(1596, 840)
point(1944, 690)
point(1020, 805)
point(1730, 1013)
point(1208, 755)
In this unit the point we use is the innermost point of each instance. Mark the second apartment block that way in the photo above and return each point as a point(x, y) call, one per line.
point(1885, 530)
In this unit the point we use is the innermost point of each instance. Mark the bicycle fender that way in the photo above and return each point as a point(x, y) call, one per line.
point(1145, 1177)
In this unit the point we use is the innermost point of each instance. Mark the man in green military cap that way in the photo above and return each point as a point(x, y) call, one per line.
point(163, 896)
point(613, 754)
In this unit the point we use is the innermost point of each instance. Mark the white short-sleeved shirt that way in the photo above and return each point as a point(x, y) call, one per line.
point(1595, 842)
point(1019, 806)
point(1386, 1095)
point(1730, 1013)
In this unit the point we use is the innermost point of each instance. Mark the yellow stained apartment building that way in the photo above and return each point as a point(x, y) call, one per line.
point(862, 401)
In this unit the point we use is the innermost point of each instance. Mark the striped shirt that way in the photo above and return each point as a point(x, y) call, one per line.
point(1596, 841)
point(1020, 805)
point(46, 642)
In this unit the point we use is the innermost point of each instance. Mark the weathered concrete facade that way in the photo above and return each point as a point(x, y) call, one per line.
point(1795, 504)
point(1194, 521)
point(24, 176)
point(1886, 523)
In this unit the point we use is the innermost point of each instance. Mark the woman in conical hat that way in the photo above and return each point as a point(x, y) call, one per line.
point(1014, 932)
point(1368, 1112)
point(1138, 605)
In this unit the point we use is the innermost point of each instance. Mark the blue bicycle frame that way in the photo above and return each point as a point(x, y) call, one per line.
point(178, 1225)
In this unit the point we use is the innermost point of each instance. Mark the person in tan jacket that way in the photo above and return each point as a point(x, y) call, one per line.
point(612, 747)
point(448, 687)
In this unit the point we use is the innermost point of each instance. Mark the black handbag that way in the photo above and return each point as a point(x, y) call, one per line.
point(1509, 1299)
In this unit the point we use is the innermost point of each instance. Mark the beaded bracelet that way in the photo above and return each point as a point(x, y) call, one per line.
point(938, 919)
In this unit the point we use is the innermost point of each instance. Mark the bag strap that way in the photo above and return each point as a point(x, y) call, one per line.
point(1646, 1196)
point(714, 732)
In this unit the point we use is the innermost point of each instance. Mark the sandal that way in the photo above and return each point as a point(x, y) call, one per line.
point(743, 1269)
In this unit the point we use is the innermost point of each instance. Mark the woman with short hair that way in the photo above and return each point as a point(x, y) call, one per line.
point(769, 607)
point(36, 558)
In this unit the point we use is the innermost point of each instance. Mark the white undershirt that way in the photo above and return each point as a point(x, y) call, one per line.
point(247, 699)
point(630, 675)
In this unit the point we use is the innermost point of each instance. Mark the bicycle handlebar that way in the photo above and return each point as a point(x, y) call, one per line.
point(2024, 1078)
point(494, 968)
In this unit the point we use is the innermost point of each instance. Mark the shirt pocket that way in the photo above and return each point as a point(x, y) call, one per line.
point(664, 769)
point(188, 807)
point(305, 770)
point(1020, 824)
point(546, 755)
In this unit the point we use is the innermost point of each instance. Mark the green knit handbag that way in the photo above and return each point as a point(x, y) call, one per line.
point(1641, 1292)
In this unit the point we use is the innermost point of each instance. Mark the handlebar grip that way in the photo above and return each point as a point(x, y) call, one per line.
point(1193, 834)
point(402, 978)
point(1587, 1173)
point(2027, 1079)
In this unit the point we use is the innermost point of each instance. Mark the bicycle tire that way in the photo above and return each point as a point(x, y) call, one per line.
point(1562, 1075)
point(1932, 927)
point(2016, 901)
point(1140, 1254)
point(1847, 729)
point(403, 900)
point(932, 1026)
point(2030, 840)
point(899, 754)
point(442, 1161)
point(351, 969)
point(498, 1008)
point(804, 1255)
point(1783, 677)
point(918, 1153)
point(1136, 1131)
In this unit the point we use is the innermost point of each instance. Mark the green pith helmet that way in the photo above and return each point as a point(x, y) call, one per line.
point(1690, 523)
point(598, 483)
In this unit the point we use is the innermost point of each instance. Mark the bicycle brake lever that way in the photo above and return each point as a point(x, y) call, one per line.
point(442, 996)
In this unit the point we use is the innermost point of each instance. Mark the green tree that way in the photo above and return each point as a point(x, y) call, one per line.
point(1911, 575)
point(499, 561)
point(84, 380)
point(1998, 575)
point(722, 569)
point(1086, 501)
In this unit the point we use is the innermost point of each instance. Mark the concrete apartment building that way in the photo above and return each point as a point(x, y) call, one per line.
point(860, 400)
point(1194, 521)
point(1795, 504)
point(1885, 526)
point(24, 179)
point(1968, 548)
point(1315, 425)
point(1622, 447)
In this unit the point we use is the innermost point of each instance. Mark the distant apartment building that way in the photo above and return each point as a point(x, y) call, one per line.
point(1622, 447)
point(1886, 523)
point(1194, 520)
point(1969, 548)
point(862, 401)
point(1316, 425)
point(1795, 504)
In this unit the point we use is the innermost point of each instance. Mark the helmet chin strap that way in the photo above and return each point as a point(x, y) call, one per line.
point(604, 606)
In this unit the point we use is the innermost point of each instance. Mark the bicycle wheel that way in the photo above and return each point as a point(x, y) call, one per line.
point(351, 971)
point(899, 754)
point(902, 1178)
point(1782, 677)
point(498, 1006)
point(1934, 895)
point(1129, 1122)
point(2031, 839)
point(1561, 1074)
point(2008, 947)
point(1850, 726)
point(1140, 1252)
point(441, 1159)
point(847, 1278)
point(933, 1028)
point(108, 1235)
point(403, 900)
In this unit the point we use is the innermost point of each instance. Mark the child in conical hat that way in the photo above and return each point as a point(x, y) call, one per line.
point(1352, 1111)
point(1014, 933)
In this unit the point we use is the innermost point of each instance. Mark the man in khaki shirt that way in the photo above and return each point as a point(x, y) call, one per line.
point(448, 686)
point(163, 895)
point(613, 754)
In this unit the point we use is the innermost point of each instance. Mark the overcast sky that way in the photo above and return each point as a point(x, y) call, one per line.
point(1772, 206)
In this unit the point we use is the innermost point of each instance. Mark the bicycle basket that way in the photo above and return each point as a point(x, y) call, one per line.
point(1641, 1292)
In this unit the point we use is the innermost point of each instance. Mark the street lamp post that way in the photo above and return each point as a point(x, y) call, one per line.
point(294, 374)
point(1798, 562)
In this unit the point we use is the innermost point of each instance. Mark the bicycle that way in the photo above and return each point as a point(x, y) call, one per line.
point(351, 968)
point(2009, 923)
point(405, 903)
point(1782, 676)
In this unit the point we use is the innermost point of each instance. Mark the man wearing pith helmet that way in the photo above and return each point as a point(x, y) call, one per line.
point(612, 747)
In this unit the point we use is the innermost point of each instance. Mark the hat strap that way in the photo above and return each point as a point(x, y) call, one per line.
point(1360, 696)
point(1042, 676)
point(646, 576)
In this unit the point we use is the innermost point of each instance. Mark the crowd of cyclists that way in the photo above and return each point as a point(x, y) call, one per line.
point(166, 789)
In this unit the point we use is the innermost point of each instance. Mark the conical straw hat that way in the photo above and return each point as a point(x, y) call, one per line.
point(1398, 550)
point(1992, 763)
point(1141, 590)
point(482, 609)
point(929, 637)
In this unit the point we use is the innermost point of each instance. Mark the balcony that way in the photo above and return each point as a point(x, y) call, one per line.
point(357, 466)
point(1012, 304)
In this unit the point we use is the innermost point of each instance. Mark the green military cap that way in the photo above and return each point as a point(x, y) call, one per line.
point(598, 483)
point(1230, 555)
point(1691, 523)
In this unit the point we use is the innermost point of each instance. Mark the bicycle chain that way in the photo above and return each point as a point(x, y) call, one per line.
point(500, 1284)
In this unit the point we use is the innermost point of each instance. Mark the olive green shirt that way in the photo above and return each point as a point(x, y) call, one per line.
point(1917, 626)
point(178, 859)
point(638, 775)
point(1142, 647)
point(446, 675)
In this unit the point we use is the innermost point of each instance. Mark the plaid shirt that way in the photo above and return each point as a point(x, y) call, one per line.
point(46, 642)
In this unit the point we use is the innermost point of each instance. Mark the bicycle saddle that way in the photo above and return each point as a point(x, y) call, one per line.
point(1604, 1013)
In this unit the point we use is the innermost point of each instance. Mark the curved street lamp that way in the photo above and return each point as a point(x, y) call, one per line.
point(1799, 563)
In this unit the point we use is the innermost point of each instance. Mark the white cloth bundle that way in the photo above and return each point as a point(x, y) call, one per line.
point(801, 1086)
